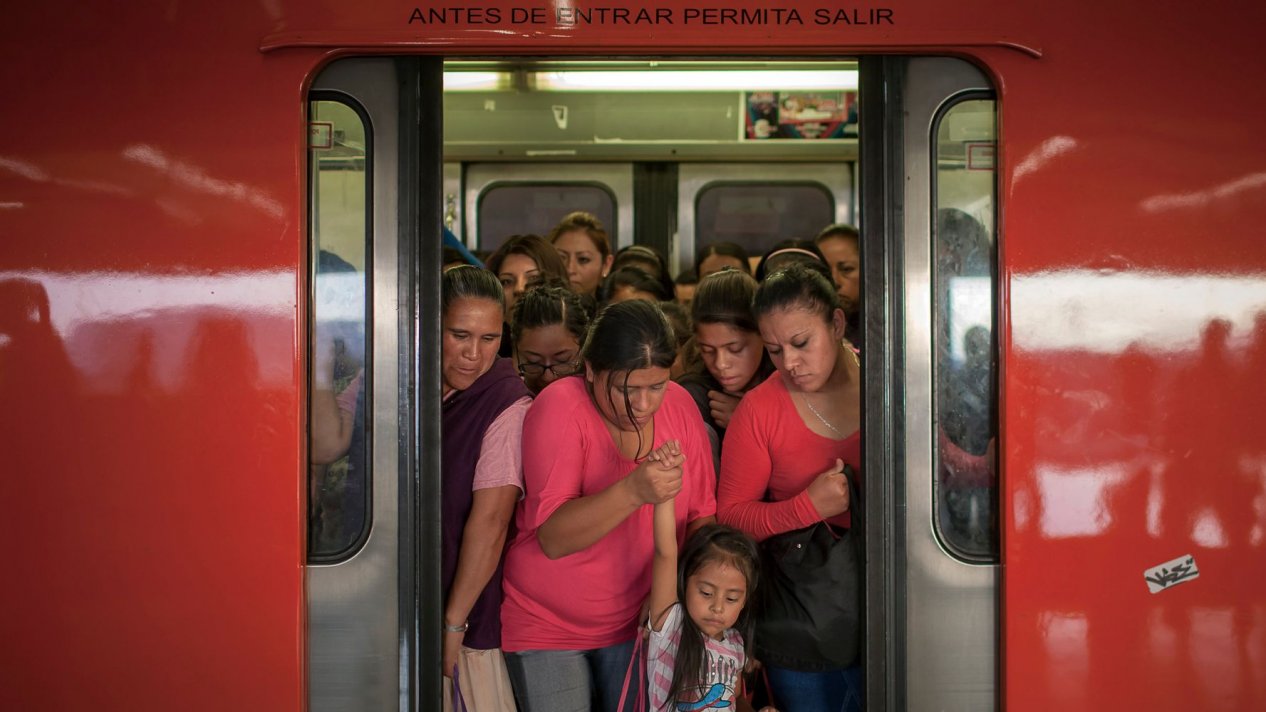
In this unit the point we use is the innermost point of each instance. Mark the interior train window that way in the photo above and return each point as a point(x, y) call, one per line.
point(338, 497)
point(758, 215)
point(964, 265)
point(507, 209)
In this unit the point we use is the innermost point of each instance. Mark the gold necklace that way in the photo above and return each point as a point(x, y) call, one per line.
point(825, 422)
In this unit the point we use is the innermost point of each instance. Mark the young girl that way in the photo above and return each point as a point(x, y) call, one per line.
point(700, 623)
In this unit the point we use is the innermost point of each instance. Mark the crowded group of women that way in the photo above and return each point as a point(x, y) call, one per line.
point(582, 405)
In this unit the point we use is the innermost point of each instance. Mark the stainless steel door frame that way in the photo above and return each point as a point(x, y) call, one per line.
point(353, 606)
point(951, 606)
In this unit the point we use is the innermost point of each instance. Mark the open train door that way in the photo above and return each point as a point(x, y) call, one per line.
point(375, 191)
point(930, 272)
point(932, 608)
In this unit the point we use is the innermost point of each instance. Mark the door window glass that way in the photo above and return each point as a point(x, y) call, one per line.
point(759, 215)
point(964, 298)
point(338, 493)
point(507, 209)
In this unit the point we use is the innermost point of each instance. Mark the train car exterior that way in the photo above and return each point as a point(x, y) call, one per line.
point(156, 281)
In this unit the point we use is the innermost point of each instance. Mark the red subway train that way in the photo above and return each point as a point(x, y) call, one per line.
point(190, 192)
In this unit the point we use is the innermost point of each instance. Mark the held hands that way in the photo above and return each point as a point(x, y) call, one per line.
point(658, 478)
point(722, 406)
point(829, 491)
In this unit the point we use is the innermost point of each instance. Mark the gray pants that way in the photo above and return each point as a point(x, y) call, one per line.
point(576, 680)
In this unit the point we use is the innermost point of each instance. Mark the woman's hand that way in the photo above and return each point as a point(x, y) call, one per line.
point(658, 478)
point(829, 491)
point(452, 648)
point(722, 407)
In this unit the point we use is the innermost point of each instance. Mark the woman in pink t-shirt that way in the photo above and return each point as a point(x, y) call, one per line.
point(784, 452)
point(578, 572)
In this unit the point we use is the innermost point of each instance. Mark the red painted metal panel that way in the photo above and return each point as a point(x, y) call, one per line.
point(1136, 327)
point(152, 216)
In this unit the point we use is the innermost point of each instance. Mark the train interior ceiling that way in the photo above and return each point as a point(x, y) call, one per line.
point(669, 154)
point(673, 154)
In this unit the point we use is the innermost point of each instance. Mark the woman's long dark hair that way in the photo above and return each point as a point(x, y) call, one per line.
point(550, 304)
point(788, 252)
point(725, 297)
point(535, 248)
point(647, 259)
point(719, 544)
point(588, 223)
point(470, 282)
point(800, 285)
point(634, 278)
point(725, 249)
point(624, 338)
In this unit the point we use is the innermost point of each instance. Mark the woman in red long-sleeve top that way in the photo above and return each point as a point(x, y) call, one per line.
point(784, 452)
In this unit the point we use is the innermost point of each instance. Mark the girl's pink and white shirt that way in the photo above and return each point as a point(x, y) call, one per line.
point(724, 660)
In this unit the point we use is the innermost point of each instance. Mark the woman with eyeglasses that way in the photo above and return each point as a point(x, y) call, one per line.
point(547, 325)
point(481, 465)
point(578, 572)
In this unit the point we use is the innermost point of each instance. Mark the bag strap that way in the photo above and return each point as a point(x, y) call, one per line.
point(639, 705)
point(856, 505)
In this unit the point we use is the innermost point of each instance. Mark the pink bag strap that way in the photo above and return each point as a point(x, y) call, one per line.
point(640, 703)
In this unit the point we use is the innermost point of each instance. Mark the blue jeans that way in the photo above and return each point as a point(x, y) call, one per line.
point(575, 680)
point(830, 691)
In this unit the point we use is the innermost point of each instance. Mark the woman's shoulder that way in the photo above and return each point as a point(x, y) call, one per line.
point(771, 390)
point(762, 408)
point(560, 399)
point(678, 399)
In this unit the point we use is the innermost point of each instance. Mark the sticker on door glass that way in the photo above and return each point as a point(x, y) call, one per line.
point(320, 134)
point(1171, 573)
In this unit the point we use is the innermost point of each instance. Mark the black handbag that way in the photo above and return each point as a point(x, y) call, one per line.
point(812, 580)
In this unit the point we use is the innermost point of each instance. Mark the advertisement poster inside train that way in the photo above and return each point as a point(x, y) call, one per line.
point(809, 115)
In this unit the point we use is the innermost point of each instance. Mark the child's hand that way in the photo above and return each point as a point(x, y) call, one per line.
point(829, 491)
point(669, 454)
point(658, 478)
